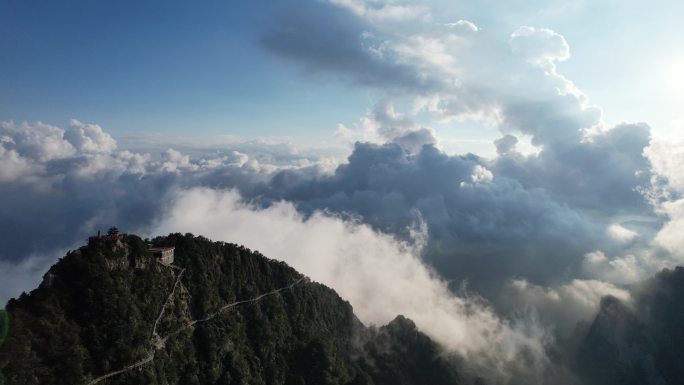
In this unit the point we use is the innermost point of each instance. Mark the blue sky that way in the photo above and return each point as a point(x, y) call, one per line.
point(161, 67)
point(179, 67)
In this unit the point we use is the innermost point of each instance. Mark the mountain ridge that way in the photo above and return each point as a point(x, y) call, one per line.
point(641, 342)
point(110, 305)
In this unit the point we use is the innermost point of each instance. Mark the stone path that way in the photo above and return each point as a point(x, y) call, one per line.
point(158, 342)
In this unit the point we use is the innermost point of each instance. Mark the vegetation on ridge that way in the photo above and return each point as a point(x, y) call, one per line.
point(95, 310)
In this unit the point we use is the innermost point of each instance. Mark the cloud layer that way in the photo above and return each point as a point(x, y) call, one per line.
point(379, 275)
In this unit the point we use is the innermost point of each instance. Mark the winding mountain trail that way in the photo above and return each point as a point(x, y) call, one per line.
point(166, 303)
point(140, 363)
point(158, 342)
point(228, 306)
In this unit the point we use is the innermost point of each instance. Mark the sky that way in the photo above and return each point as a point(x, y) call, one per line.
point(488, 169)
point(172, 67)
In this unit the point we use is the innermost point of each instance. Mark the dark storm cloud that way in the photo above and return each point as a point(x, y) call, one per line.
point(599, 173)
point(483, 226)
point(450, 72)
point(327, 40)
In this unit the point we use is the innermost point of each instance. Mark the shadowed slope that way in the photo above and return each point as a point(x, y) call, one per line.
point(232, 317)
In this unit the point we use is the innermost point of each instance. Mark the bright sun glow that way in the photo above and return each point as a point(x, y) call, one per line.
point(673, 74)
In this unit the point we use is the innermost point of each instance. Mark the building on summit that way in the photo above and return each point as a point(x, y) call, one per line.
point(163, 254)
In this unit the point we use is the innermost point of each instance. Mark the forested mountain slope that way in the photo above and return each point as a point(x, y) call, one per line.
point(110, 313)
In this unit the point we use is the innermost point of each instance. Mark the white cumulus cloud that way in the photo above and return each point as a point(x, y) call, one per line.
point(381, 276)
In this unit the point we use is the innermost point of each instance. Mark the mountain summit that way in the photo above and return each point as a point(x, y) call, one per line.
point(185, 310)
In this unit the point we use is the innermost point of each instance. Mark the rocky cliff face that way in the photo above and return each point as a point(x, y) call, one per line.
point(616, 349)
point(108, 313)
point(639, 343)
